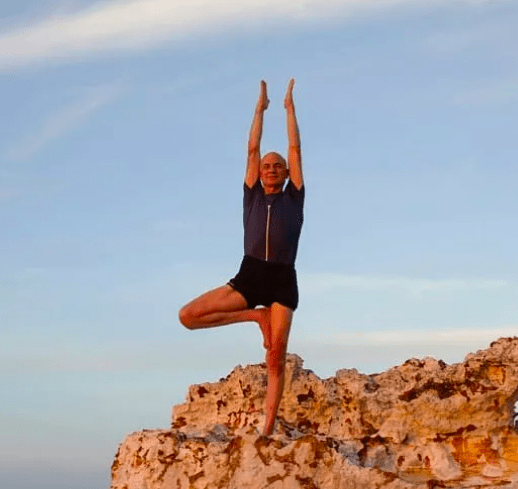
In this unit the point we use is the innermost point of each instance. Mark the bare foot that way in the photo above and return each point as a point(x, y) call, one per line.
point(264, 324)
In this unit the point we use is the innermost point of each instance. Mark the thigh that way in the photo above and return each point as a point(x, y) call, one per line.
point(249, 281)
point(220, 299)
point(282, 288)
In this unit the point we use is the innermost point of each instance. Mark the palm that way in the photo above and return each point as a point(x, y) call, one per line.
point(288, 100)
point(263, 101)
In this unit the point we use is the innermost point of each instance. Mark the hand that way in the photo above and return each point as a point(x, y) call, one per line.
point(262, 103)
point(288, 100)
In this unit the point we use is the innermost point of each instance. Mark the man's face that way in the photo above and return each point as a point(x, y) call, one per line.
point(272, 170)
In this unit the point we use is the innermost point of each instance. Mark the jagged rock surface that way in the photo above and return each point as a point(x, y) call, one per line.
point(420, 425)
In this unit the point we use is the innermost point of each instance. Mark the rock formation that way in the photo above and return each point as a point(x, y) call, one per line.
point(420, 425)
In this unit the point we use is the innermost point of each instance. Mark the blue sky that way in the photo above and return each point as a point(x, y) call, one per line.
point(123, 137)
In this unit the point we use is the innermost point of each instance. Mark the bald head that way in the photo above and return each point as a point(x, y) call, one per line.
point(273, 172)
point(273, 157)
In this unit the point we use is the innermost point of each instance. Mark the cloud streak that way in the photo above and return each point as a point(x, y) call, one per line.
point(500, 92)
point(424, 337)
point(376, 351)
point(500, 32)
point(164, 357)
point(146, 24)
point(324, 282)
point(63, 121)
point(175, 355)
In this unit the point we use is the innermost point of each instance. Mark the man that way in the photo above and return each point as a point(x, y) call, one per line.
point(272, 220)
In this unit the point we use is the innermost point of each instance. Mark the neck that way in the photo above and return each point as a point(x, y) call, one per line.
point(268, 189)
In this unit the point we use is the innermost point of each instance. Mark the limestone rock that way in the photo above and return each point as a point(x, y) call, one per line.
point(420, 425)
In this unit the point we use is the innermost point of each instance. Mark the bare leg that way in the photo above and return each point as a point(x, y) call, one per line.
point(281, 317)
point(222, 306)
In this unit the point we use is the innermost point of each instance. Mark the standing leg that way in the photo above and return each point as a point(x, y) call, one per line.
point(280, 323)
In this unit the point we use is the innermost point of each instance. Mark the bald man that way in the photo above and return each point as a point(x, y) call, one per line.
point(272, 218)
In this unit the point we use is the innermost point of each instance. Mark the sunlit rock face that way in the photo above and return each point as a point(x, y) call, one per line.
point(423, 424)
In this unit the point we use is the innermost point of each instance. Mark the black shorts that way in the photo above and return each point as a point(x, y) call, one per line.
point(263, 283)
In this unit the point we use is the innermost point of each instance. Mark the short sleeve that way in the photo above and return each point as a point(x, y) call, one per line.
point(250, 192)
point(295, 194)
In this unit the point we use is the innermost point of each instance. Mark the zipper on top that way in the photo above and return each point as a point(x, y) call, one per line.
point(267, 230)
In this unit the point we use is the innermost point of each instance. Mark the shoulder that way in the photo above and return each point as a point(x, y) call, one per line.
point(253, 192)
point(256, 187)
point(294, 192)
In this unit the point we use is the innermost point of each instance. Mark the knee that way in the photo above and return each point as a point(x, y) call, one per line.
point(276, 359)
point(186, 318)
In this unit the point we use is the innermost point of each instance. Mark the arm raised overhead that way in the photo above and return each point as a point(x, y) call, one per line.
point(254, 141)
point(294, 153)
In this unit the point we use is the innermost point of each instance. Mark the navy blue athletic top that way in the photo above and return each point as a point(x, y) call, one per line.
point(272, 223)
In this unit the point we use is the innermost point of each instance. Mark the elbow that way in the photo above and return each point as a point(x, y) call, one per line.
point(253, 150)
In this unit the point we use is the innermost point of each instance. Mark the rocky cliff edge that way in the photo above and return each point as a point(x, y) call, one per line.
point(421, 425)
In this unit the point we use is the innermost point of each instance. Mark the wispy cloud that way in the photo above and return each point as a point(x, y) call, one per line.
point(381, 345)
point(146, 357)
point(498, 31)
point(426, 337)
point(145, 24)
point(492, 93)
point(375, 351)
point(63, 121)
point(321, 282)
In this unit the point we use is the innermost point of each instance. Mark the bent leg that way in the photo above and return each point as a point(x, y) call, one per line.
point(281, 318)
point(222, 306)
